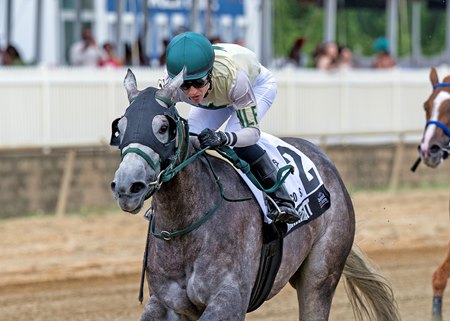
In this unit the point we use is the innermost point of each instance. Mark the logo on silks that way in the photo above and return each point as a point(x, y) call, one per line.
point(322, 199)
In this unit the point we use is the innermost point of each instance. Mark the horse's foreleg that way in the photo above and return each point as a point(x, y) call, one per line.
point(225, 306)
point(439, 282)
point(154, 310)
point(440, 277)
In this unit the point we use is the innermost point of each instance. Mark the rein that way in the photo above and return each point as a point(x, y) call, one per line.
point(172, 169)
point(239, 163)
point(167, 236)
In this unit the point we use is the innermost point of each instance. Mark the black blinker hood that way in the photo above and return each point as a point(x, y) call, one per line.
point(140, 116)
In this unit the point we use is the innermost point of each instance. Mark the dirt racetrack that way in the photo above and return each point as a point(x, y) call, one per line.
point(86, 268)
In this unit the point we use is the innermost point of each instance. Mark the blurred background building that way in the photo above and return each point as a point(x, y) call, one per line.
point(45, 29)
point(417, 31)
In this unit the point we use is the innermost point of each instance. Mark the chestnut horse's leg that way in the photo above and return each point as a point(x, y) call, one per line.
point(439, 283)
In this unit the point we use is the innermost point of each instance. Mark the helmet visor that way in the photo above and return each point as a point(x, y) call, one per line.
point(196, 83)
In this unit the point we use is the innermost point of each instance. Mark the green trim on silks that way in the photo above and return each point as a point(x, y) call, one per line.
point(239, 163)
point(211, 106)
point(248, 116)
point(216, 47)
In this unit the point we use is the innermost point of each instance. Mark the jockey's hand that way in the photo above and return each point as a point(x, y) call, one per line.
point(209, 138)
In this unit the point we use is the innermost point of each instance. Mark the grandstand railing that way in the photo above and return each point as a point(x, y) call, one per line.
point(51, 107)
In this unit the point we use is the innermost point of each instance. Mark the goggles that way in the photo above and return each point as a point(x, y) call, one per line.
point(196, 83)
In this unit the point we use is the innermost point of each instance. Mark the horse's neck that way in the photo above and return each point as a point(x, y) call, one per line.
point(187, 196)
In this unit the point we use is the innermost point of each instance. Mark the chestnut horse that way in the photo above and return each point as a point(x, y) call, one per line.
point(433, 150)
point(205, 240)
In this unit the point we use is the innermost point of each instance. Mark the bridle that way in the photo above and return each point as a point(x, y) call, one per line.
point(437, 123)
point(445, 129)
point(178, 161)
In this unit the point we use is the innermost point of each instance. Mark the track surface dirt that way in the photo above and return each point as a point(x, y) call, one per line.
point(88, 268)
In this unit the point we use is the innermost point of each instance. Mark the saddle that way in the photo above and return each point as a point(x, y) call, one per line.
point(309, 194)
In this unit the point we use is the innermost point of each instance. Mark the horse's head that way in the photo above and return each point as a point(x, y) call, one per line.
point(148, 137)
point(435, 144)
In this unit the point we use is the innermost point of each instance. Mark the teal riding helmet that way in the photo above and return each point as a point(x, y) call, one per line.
point(192, 50)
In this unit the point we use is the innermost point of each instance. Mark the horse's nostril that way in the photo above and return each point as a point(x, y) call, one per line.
point(137, 187)
point(434, 149)
point(113, 186)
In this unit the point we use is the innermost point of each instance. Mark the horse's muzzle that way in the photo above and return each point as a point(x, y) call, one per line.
point(131, 199)
point(433, 156)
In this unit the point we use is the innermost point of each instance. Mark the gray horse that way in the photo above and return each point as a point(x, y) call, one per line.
point(204, 245)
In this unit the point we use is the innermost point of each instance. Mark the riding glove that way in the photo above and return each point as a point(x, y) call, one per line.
point(209, 138)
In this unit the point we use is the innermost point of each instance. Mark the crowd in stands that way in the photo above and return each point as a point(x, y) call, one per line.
point(327, 56)
point(10, 56)
point(330, 56)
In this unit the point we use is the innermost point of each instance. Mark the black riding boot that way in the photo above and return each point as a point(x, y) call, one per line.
point(266, 174)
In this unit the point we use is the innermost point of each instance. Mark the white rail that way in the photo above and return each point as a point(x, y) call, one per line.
point(45, 107)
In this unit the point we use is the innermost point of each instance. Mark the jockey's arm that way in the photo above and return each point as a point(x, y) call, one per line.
point(244, 102)
point(246, 136)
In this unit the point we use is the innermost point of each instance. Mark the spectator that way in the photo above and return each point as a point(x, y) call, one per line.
point(110, 59)
point(11, 57)
point(345, 60)
point(85, 52)
point(128, 55)
point(295, 55)
point(326, 56)
point(215, 39)
point(135, 55)
point(143, 58)
point(383, 58)
point(162, 57)
point(240, 42)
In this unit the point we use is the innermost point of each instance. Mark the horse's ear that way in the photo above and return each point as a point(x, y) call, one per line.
point(433, 76)
point(170, 88)
point(130, 85)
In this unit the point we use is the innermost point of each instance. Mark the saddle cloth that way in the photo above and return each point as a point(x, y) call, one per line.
point(305, 185)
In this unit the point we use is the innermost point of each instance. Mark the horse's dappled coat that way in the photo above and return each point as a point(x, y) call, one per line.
point(208, 274)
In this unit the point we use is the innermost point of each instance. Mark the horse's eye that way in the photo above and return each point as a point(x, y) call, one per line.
point(163, 129)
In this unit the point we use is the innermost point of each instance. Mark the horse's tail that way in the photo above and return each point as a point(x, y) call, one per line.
point(370, 294)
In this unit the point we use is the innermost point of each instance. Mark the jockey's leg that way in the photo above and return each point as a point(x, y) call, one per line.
point(266, 173)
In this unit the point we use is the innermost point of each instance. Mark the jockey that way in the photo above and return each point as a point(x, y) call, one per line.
point(227, 82)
